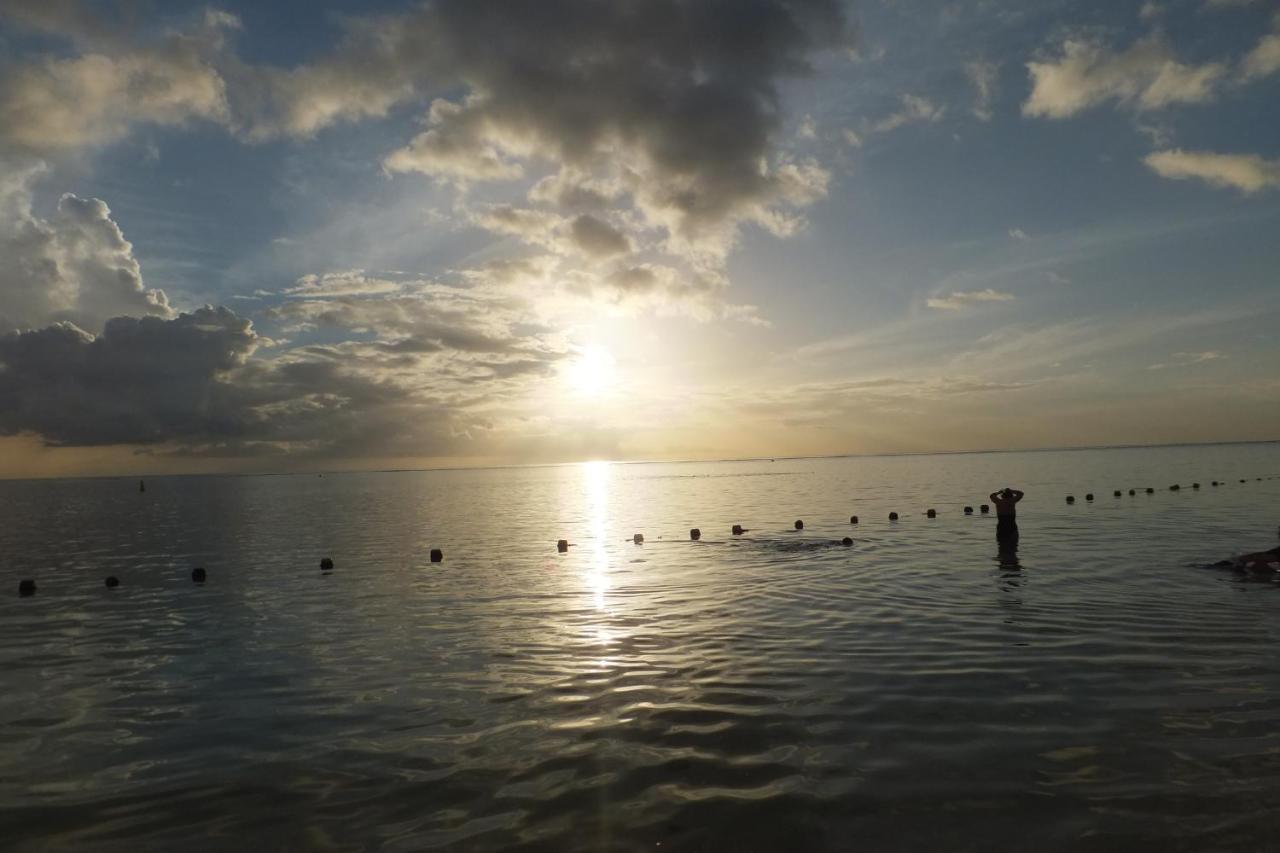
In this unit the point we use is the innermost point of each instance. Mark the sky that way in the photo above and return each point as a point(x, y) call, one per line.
point(339, 235)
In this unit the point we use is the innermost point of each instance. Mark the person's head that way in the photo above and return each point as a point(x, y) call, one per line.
point(1006, 493)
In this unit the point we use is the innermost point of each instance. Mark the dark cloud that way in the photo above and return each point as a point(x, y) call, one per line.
point(141, 381)
point(597, 237)
point(672, 104)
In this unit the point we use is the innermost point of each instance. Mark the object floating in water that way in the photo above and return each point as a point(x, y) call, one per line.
point(199, 575)
point(112, 582)
point(26, 587)
point(326, 564)
point(437, 555)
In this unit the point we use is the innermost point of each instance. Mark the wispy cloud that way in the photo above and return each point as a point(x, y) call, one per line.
point(966, 299)
point(915, 108)
point(1186, 359)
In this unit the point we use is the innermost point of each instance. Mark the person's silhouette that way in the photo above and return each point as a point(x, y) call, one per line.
point(1006, 516)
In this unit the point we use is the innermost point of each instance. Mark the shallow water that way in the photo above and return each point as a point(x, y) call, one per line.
point(918, 691)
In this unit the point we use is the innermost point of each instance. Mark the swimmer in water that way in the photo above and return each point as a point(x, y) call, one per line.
point(1006, 515)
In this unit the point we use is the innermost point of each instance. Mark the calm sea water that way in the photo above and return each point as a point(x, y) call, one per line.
point(775, 691)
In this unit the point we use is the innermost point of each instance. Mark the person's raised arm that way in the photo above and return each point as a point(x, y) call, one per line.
point(994, 497)
point(1016, 495)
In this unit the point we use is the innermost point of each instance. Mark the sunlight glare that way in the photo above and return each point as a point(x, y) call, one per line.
point(592, 372)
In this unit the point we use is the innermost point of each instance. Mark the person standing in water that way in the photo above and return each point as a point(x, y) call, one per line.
point(1006, 515)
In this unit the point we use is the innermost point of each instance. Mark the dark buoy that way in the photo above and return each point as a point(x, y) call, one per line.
point(1132, 493)
point(853, 519)
point(437, 556)
point(737, 530)
point(984, 509)
point(198, 575)
point(893, 516)
point(1116, 493)
point(142, 486)
point(1089, 496)
point(326, 565)
point(1195, 485)
point(799, 524)
point(931, 513)
point(26, 587)
point(1242, 481)
point(695, 534)
point(1214, 483)
point(846, 541)
point(968, 510)
point(562, 545)
point(638, 538)
point(1150, 490)
point(1175, 487)
point(1071, 499)
point(112, 582)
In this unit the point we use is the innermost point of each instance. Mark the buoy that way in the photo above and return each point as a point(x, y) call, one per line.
point(1175, 487)
point(1150, 490)
point(931, 513)
point(437, 556)
point(846, 541)
point(1089, 496)
point(893, 516)
point(142, 486)
point(1195, 485)
point(1071, 499)
point(1242, 481)
point(1117, 493)
point(984, 509)
point(799, 524)
point(1214, 483)
point(695, 534)
point(638, 539)
point(1132, 493)
point(112, 582)
point(326, 565)
point(562, 545)
point(737, 530)
point(968, 510)
point(198, 575)
point(853, 519)
point(26, 587)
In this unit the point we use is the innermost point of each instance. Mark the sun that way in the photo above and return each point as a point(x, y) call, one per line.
point(591, 372)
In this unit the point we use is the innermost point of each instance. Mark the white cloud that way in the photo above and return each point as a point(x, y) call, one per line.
point(1263, 60)
point(1019, 235)
point(967, 298)
point(1145, 76)
point(94, 98)
point(852, 138)
point(1248, 173)
point(76, 266)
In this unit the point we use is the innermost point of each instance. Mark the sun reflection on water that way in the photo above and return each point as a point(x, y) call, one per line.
point(596, 475)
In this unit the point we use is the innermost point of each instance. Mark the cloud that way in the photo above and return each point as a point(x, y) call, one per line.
point(142, 380)
point(75, 267)
point(1145, 76)
point(967, 298)
point(94, 98)
point(914, 109)
point(1187, 359)
point(1019, 235)
point(1248, 173)
point(598, 238)
point(851, 138)
point(1263, 60)
point(660, 97)
point(984, 77)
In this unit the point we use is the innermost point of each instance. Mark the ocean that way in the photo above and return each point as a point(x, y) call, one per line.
point(920, 689)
